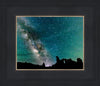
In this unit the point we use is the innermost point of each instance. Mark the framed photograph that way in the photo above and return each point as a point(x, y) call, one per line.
point(49, 43)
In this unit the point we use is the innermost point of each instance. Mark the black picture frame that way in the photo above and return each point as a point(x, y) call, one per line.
point(10, 77)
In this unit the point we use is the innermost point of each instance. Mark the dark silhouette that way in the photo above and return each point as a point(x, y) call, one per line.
point(60, 64)
point(43, 65)
point(57, 58)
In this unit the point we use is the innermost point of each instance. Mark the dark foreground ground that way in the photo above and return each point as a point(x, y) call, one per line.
point(60, 64)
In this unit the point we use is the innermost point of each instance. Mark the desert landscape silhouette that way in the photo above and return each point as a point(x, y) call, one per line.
point(60, 64)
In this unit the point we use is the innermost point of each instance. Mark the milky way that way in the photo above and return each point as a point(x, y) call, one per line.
point(34, 44)
point(41, 39)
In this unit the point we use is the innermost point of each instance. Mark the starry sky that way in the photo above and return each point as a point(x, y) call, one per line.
point(41, 39)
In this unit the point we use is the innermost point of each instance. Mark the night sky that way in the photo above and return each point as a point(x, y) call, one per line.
point(41, 39)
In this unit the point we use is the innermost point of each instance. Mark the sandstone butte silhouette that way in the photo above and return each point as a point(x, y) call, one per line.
point(60, 64)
